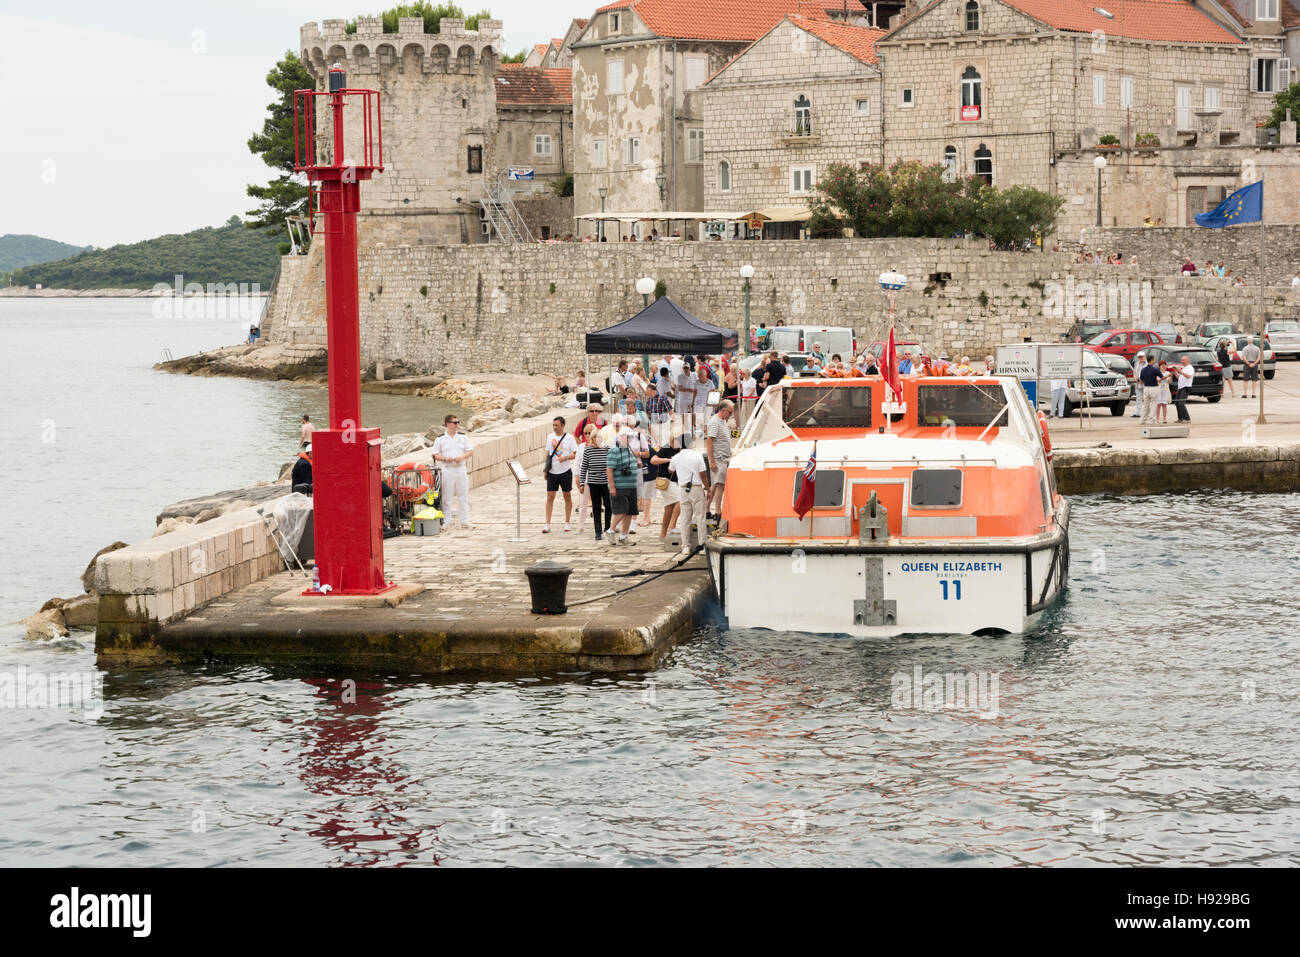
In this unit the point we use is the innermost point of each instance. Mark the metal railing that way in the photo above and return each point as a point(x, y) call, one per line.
point(503, 217)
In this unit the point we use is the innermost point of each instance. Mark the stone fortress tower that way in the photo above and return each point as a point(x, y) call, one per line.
point(438, 99)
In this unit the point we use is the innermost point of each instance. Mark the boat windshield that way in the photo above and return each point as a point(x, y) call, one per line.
point(828, 407)
point(965, 404)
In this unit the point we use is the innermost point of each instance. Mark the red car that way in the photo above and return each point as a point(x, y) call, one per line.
point(1124, 342)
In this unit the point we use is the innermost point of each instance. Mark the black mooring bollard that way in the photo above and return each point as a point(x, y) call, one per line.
point(548, 581)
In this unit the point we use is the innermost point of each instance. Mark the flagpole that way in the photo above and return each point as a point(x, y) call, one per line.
point(1261, 420)
point(812, 509)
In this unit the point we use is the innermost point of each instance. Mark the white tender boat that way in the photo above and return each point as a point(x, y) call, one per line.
point(944, 519)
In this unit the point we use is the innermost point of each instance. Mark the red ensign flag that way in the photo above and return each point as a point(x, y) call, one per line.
point(890, 367)
point(808, 491)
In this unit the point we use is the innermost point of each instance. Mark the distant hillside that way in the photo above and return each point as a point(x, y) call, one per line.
point(18, 250)
point(226, 254)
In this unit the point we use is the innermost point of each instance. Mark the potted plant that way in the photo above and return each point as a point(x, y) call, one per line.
point(1108, 142)
point(1148, 140)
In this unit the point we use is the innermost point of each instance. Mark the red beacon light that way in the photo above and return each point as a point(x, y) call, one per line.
point(345, 457)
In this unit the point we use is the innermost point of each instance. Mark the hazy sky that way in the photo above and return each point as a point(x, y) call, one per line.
point(127, 120)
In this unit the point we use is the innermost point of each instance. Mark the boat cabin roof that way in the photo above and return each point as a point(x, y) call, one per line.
point(984, 408)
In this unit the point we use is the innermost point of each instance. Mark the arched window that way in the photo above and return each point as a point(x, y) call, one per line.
point(984, 164)
point(972, 17)
point(724, 176)
point(971, 93)
point(950, 164)
point(802, 116)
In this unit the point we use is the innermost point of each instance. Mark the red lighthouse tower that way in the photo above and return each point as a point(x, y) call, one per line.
point(345, 457)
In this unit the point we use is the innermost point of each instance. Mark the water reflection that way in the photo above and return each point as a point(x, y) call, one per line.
point(347, 761)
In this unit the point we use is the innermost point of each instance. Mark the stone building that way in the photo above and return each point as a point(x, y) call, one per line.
point(804, 95)
point(439, 119)
point(1022, 92)
point(638, 113)
point(534, 123)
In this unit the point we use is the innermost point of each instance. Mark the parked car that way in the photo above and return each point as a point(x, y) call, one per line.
point(1082, 330)
point(1211, 330)
point(1239, 342)
point(1208, 382)
point(1099, 387)
point(1123, 342)
point(1120, 366)
point(1168, 333)
point(1284, 336)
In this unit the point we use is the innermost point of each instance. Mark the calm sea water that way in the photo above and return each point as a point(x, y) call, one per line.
point(1151, 718)
point(94, 443)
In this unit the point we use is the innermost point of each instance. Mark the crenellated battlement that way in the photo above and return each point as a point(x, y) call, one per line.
point(454, 49)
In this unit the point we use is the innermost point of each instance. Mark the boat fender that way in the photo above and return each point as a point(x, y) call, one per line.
point(1047, 439)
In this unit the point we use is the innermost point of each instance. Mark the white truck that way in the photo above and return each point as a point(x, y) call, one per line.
point(801, 339)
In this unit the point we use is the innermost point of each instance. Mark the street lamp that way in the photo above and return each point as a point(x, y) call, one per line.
point(645, 285)
point(604, 191)
point(1100, 164)
point(660, 181)
point(747, 273)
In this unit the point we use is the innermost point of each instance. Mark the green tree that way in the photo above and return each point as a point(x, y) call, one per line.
point(1010, 216)
point(519, 57)
point(431, 14)
point(1288, 99)
point(824, 225)
point(914, 199)
point(563, 185)
point(286, 195)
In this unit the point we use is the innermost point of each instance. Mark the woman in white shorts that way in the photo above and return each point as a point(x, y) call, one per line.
point(672, 495)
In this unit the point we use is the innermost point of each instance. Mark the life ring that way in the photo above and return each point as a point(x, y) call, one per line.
point(1047, 439)
point(423, 481)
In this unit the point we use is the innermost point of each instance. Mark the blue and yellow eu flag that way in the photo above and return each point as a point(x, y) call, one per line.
point(1246, 205)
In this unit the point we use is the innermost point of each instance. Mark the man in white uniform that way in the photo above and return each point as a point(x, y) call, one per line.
point(692, 474)
point(452, 450)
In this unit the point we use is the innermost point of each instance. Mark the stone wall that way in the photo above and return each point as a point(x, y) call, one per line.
point(553, 212)
point(148, 584)
point(527, 308)
point(1160, 251)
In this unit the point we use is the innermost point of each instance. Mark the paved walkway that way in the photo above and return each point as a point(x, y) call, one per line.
point(480, 568)
point(1230, 421)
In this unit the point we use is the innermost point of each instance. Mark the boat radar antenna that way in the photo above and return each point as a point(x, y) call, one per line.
point(891, 281)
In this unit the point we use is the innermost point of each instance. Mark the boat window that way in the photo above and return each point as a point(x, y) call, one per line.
point(831, 407)
point(936, 488)
point(961, 405)
point(827, 493)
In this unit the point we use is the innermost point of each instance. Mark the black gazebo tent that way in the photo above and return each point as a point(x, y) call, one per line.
point(661, 327)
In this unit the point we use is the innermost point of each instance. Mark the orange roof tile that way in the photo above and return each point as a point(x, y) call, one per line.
point(735, 20)
point(1166, 21)
point(1290, 14)
point(519, 85)
point(858, 42)
point(541, 48)
point(1170, 21)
